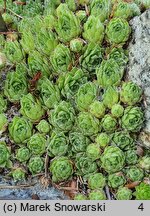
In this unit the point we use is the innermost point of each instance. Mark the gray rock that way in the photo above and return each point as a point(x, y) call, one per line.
point(139, 64)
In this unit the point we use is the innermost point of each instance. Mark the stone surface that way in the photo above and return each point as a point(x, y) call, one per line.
point(139, 64)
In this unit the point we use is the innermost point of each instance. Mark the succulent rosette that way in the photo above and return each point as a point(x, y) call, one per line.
point(123, 140)
point(85, 166)
point(63, 116)
point(15, 86)
point(20, 129)
point(61, 169)
point(118, 31)
point(131, 93)
point(117, 110)
point(119, 55)
point(97, 109)
point(93, 30)
point(100, 8)
point(110, 97)
point(43, 127)
point(133, 119)
point(131, 157)
point(61, 59)
point(122, 10)
point(71, 4)
point(78, 141)
point(109, 73)
point(3, 123)
point(68, 25)
point(134, 173)
point(14, 52)
point(27, 40)
point(37, 144)
point(3, 104)
point(49, 93)
point(82, 15)
point(76, 45)
point(88, 124)
point(46, 41)
point(113, 159)
point(109, 123)
point(86, 94)
point(38, 62)
point(97, 195)
point(93, 151)
point(142, 191)
point(31, 107)
point(58, 144)
point(80, 196)
point(4, 155)
point(116, 180)
point(18, 174)
point(91, 58)
point(124, 193)
point(69, 83)
point(96, 181)
point(144, 163)
point(36, 165)
point(102, 140)
point(23, 154)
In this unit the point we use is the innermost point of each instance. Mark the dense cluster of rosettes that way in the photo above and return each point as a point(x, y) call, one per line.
point(67, 81)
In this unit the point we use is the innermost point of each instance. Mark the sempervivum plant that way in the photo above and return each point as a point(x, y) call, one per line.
point(123, 140)
point(80, 196)
point(109, 123)
point(13, 52)
point(112, 159)
point(97, 195)
point(134, 173)
point(86, 95)
point(117, 110)
point(124, 193)
point(15, 86)
point(88, 124)
point(20, 129)
point(91, 58)
point(23, 154)
point(97, 109)
point(116, 180)
point(110, 97)
point(68, 25)
point(37, 144)
point(18, 174)
point(43, 127)
point(130, 93)
point(144, 163)
point(36, 165)
point(76, 45)
point(123, 10)
point(109, 73)
point(96, 181)
point(101, 9)
point(78, 141)
point(69, 83)
point(119, 55)
point(133, 119)
point(93, 30)
point(61, 169)
point(142, 192)
point(58, 144)
point(63, 116)
point(118, 31)
point(84, 165)
point(61, 59)
point(131, 157)
point(49, 93)
point(4, 155)
point(93, 151)
point(31, 107)
point(102, 140)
